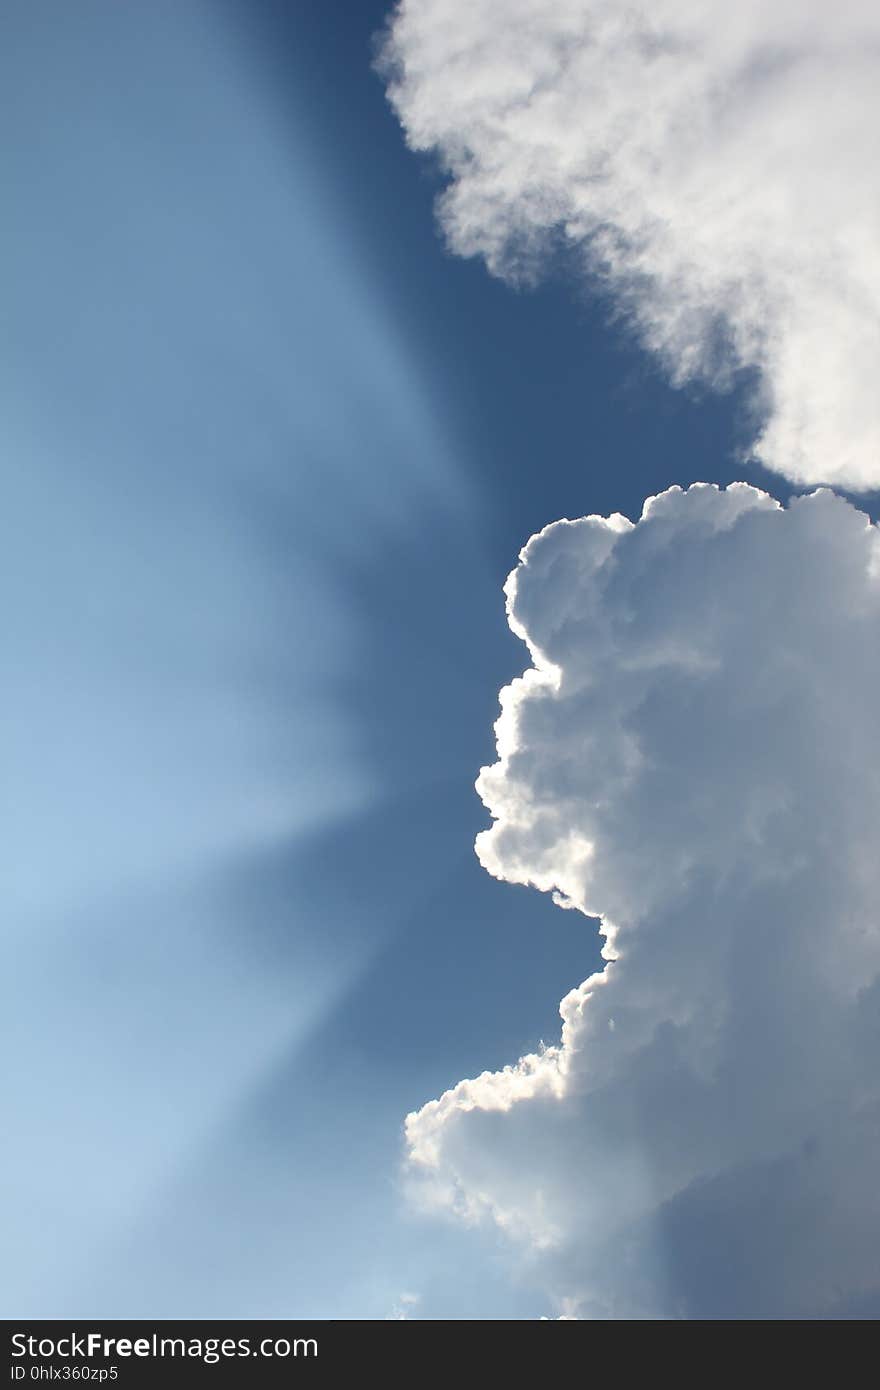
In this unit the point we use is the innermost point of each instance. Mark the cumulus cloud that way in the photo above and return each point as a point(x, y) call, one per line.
point(712, 163)
point(692, 758)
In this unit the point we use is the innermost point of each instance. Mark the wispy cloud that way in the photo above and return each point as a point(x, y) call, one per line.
point(712, 164)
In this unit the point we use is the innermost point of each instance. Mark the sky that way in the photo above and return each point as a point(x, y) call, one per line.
point(277, 425)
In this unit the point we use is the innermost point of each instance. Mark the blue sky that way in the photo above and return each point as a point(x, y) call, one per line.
point(270, 451)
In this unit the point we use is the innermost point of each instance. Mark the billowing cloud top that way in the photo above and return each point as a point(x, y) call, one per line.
point(693, 759)
point(713, 162)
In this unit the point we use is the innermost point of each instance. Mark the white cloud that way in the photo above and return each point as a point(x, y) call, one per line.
point(693, 759)
point(404, 1307)
point(714, 162)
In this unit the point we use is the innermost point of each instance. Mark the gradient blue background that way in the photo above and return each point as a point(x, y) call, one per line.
point(268, 454)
